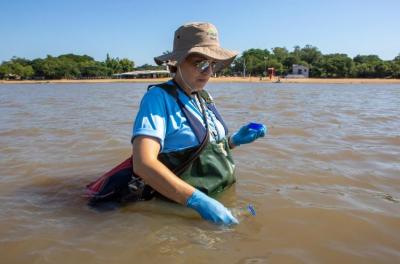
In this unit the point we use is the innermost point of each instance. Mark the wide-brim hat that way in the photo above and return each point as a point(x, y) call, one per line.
point(200, 38)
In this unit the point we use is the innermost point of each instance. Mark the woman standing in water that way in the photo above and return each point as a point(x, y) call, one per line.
point(181, 146)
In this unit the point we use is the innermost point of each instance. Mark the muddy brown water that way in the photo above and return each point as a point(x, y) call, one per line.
point(324, 182)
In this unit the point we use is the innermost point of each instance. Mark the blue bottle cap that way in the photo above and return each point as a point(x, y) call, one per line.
point(251, 209)
point(255, 126)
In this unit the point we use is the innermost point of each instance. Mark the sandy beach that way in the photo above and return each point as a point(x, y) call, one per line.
point(219, 79)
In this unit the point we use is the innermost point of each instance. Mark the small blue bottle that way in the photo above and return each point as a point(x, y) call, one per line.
point(255, 126)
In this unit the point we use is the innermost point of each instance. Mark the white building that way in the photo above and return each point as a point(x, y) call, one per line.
point(299, 71)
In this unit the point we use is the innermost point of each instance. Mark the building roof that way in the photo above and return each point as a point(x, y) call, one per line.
point(145, 72)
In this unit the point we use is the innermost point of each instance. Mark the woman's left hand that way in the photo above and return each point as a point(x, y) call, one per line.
point(247, 135)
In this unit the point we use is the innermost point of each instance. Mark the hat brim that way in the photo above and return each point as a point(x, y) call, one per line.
point(224, 56)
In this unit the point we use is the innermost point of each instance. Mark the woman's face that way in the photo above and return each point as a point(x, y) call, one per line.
point(195, 71)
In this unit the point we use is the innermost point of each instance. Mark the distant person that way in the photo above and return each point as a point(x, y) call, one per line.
point(180, 143)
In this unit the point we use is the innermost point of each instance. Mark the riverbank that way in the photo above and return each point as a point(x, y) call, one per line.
point(219, 79)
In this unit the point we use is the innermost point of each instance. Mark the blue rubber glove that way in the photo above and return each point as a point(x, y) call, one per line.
point(247, 135)
point(210, 209)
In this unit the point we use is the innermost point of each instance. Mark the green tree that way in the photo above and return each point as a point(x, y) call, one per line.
point(126, 65)
point(113, 65)
point(383, 69)
point(280, 54)
point(91, 69)
point(369, 59)
point(5, 70)
point(397, 59)
point(256, 61)
point(395, 69)
point(150, 67)
point(17, 67)
point(37, 65)
point(370, 66)
point(310, 54)
point(334, 65)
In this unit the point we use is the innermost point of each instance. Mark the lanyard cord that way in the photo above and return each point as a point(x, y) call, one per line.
point(215, 132)
point(203, 110)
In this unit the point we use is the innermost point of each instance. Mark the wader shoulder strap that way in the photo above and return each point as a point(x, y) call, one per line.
point(197, 127)
point(197, 153)
point(202, 134)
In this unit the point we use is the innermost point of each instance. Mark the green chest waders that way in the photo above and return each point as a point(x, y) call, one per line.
point(211, 169)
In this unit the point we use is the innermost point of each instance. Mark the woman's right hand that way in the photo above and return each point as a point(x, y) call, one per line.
point(210, 209)
point(247, 135)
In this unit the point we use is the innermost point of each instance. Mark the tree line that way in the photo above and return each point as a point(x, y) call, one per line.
point(67, 66)
point(251, 62)
point(255, 62)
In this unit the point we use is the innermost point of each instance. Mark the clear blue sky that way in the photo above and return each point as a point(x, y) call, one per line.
point(140, 30)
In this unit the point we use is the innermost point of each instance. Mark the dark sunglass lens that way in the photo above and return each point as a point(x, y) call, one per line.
point(203, 66)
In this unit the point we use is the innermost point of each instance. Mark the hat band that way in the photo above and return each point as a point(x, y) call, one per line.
point(197, 46)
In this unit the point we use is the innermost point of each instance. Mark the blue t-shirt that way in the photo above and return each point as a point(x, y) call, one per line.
point(159, 116)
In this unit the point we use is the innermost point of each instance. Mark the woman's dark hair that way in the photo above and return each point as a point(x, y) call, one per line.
point(172, 69)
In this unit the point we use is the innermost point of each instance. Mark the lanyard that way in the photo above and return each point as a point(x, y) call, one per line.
point(213, 129)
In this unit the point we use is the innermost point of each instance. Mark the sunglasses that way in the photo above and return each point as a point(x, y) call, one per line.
point(205, 65)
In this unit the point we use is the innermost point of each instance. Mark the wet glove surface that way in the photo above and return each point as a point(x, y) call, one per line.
point(247, 135)
point(210, 209)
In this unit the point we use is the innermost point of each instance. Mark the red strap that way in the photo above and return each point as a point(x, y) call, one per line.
point(98, 184)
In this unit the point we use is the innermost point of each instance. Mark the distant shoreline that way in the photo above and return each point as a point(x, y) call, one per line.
point(218, 80)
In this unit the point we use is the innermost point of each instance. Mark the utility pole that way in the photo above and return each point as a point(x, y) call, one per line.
point(244, 68)
point(265, 64)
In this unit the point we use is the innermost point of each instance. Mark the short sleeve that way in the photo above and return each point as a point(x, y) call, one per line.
point(151, 117)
